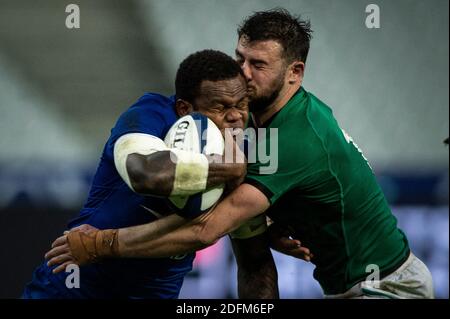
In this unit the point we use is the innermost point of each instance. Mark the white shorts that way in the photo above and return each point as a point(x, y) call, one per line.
point(411, 280)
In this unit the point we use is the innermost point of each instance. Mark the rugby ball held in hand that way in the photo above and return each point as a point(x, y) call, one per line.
point(196, 133)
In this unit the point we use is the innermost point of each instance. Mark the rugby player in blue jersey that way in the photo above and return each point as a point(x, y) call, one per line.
point(323, 191)
point(136, 173)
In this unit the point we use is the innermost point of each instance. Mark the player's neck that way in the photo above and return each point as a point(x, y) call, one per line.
point(283, 98)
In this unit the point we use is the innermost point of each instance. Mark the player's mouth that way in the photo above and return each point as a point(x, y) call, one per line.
point(239, 124)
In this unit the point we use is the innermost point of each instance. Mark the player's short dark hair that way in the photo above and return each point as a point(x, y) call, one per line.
point(206, 65)
point(279, 25)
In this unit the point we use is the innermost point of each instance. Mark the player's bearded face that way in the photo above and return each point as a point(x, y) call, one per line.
point(263, 96)
point(264, 68)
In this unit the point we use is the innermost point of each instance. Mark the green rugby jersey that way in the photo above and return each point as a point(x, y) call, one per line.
point(325, 191)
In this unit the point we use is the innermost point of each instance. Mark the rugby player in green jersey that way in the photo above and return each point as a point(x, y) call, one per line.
point(323, 191)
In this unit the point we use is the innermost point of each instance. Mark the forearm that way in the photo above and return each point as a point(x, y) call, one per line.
point(86, 244)
point(158, 239)
point(152, 241)
point(168, 236)
point(164, 173)
point(149, 167)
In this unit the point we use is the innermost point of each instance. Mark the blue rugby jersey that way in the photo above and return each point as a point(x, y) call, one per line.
point(112, 204)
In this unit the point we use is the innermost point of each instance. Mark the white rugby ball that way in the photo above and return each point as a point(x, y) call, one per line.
point(196, 133)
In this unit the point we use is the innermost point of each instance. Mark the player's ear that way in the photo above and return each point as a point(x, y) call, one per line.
point(296, 70)
point(183, 107)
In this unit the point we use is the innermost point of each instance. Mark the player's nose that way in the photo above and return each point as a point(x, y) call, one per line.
point(233, 116)
point(246, 70)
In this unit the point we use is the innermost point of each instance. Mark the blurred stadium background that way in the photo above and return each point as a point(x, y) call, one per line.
point(61, 91)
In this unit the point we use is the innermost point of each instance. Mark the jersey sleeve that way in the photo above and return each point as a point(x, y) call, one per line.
point(271, 185)
point(152, 115)
point(287, 165)
point(140, 119)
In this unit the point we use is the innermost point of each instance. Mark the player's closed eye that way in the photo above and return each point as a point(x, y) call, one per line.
point(259, 66)
point(242, 106)
point(217, 108)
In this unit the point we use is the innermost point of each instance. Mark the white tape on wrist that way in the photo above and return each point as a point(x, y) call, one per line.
point(191, 173)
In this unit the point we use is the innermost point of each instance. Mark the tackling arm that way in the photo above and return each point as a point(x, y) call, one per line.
point(242, 204)
point(160, 238)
